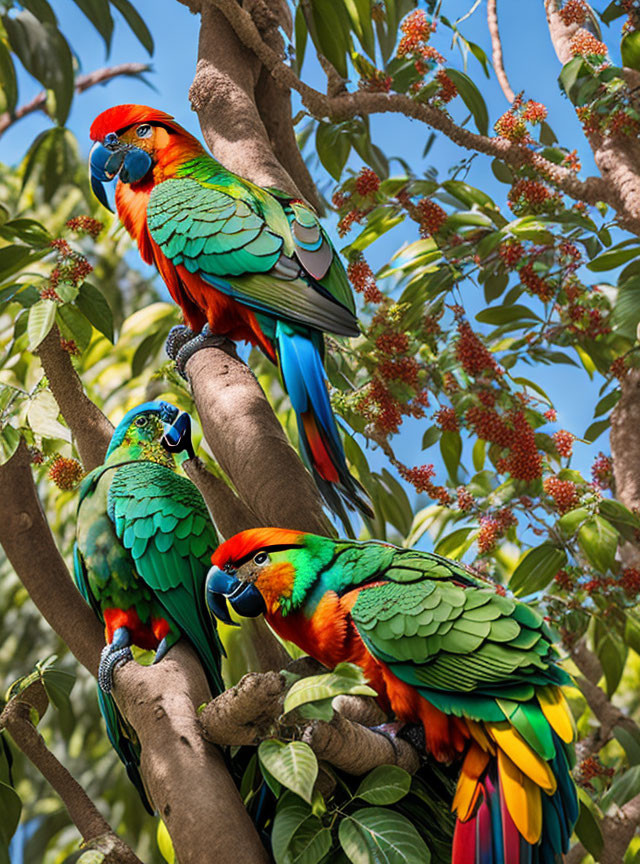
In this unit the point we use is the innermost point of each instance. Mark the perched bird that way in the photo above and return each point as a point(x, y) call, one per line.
point(441, 647)
point(241, 261)
point(142, 552)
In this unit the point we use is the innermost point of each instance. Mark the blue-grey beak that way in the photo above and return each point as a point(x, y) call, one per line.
point(111, 158)
point(177, 436)
point(244, 597)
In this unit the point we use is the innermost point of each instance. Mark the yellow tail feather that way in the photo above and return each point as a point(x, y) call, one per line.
point(467, 789)
point(522, 797)
point(477, 732)
point(557, 712)
point(517, 749)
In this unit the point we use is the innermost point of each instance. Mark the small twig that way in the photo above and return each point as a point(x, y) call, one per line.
point(496, 50)
point(83, 82)
point(95, 830)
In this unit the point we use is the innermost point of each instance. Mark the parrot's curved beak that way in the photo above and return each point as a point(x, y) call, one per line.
point(111, 158)
point(243, 596)
point(177, 436)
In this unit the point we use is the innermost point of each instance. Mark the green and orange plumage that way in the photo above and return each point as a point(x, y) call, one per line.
point(251, 263)
point(442, 647)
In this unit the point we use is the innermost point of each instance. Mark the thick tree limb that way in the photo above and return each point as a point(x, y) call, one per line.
point(496, 50)
point(83, 82)
point(187, 779)
point(229, 513)
point(349, 105)
point(250, 445)
point(90, 428)
point(95, 830)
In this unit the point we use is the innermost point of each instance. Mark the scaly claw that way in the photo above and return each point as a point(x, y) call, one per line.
point(177, 338)
point(115, 654)
point(161, 650)
point(204, 339)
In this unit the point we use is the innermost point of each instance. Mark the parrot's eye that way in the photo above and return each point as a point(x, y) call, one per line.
point(143, 131)
point(141, 421)
point(260, 558)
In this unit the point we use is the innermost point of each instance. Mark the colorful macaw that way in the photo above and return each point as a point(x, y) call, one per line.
point(441, 647)
point(142, 552)
point(241, 261)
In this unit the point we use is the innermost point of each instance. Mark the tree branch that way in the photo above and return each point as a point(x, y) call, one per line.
point(82, 83)
point(229, 513)
point(496, 50)
point(95, 830)
point(349, 105)
point(250, 446)
point(90, 428)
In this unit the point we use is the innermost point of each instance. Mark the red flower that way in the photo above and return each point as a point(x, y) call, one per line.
point(564, 442)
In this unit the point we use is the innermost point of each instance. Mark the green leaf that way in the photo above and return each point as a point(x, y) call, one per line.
point(598, 540)
point(165, 845)
point(29, 231)
point(13, 259)
point(588, 831)
point(74, 325)
point(478, 454)
point(536, 569)
point(42, 316)
point(310, 843)
point(632, 633)
point(596, 429)
point(58, 685)
point(630, 49)
point(612, 654)
point(8, 80)
point(625, 787)
point(42, 415)
point(375, 835)
point(290, 815)
point(629, 740)
point(99, 13)
point(386, 784)
point(345, 678)
point(9, 440)
point(360, 14)
point(332, 25)
point(92, 303)
point(430, 437)
point(451, 450)
point(472, 98)
point(136, 23)
point(293, 764)
point(571, 74)
point(454, 545)
point(10, 807)
point(613, 258)
point(333, 146)
point(93, 856)
point(507, 314)
point(502, 172)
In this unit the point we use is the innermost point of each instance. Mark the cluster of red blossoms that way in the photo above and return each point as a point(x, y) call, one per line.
point(432, 217)
point(602, 471)
point(619, 368)
point(510, 432)
point(535, 283)
point(446, 419)
point(585, 44)
point(71, 267)
point(532, 196)
point(361, 277)
point(617, 123)
point(474, 356)
point(511, 253)
point(512, 125)
point(630, 581)
point(417, 29)
point(65, 473)
point(589, 769)
point(574, 12)
point(356, 198)
point(466, 500)
point(492, 527)
point(421, 479)
point(563, 492)
point(564, 442)
point(70, 346)
point(85, 225)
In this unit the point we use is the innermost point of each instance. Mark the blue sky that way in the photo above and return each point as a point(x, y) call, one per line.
point(531, 65)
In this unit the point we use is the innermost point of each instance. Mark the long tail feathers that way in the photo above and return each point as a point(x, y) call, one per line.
point(305, 381)
point(513, 805)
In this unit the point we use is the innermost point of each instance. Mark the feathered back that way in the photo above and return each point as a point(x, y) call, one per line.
point(121, 116)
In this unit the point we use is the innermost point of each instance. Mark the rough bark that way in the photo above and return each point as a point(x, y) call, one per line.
point(95, 830)
point(90, 428)
point(249, 444)
point(625, 443)
point(228, 512)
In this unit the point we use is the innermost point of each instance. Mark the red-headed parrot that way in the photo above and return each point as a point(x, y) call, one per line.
point(143, 549)
point(241, 261)
point(441, 647)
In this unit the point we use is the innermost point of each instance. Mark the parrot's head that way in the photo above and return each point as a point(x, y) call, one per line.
point(130, 140)
point(153, 431)
point(255, 572)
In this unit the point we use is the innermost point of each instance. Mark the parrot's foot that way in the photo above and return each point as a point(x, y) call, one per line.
point(204, 339)
point(116, 653)
point(161, 650)
point(177, 338)
point(390, 731)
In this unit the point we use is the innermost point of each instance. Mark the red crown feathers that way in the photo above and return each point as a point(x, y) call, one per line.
point(120, 116)
point(242, 545)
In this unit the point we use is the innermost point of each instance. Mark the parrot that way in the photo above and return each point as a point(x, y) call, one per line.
point(442, 647)
point(241, 261)
point(141, 556)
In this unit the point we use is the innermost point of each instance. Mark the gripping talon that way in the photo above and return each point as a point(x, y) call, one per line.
point(115, 654)
point(177, 338)
point(204, 339)
point(161, 650)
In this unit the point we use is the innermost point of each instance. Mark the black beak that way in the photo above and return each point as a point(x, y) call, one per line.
point(177, 437)
point(244, 597)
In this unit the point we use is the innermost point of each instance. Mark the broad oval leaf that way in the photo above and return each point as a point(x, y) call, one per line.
point(386, 784)
point(41, 319)
point(42, 415)
point(375, 835)
point(293, 764)
point(536, 569)
point(598, 539)
point(472, 98)
point(346, 678)
point(291, 813)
